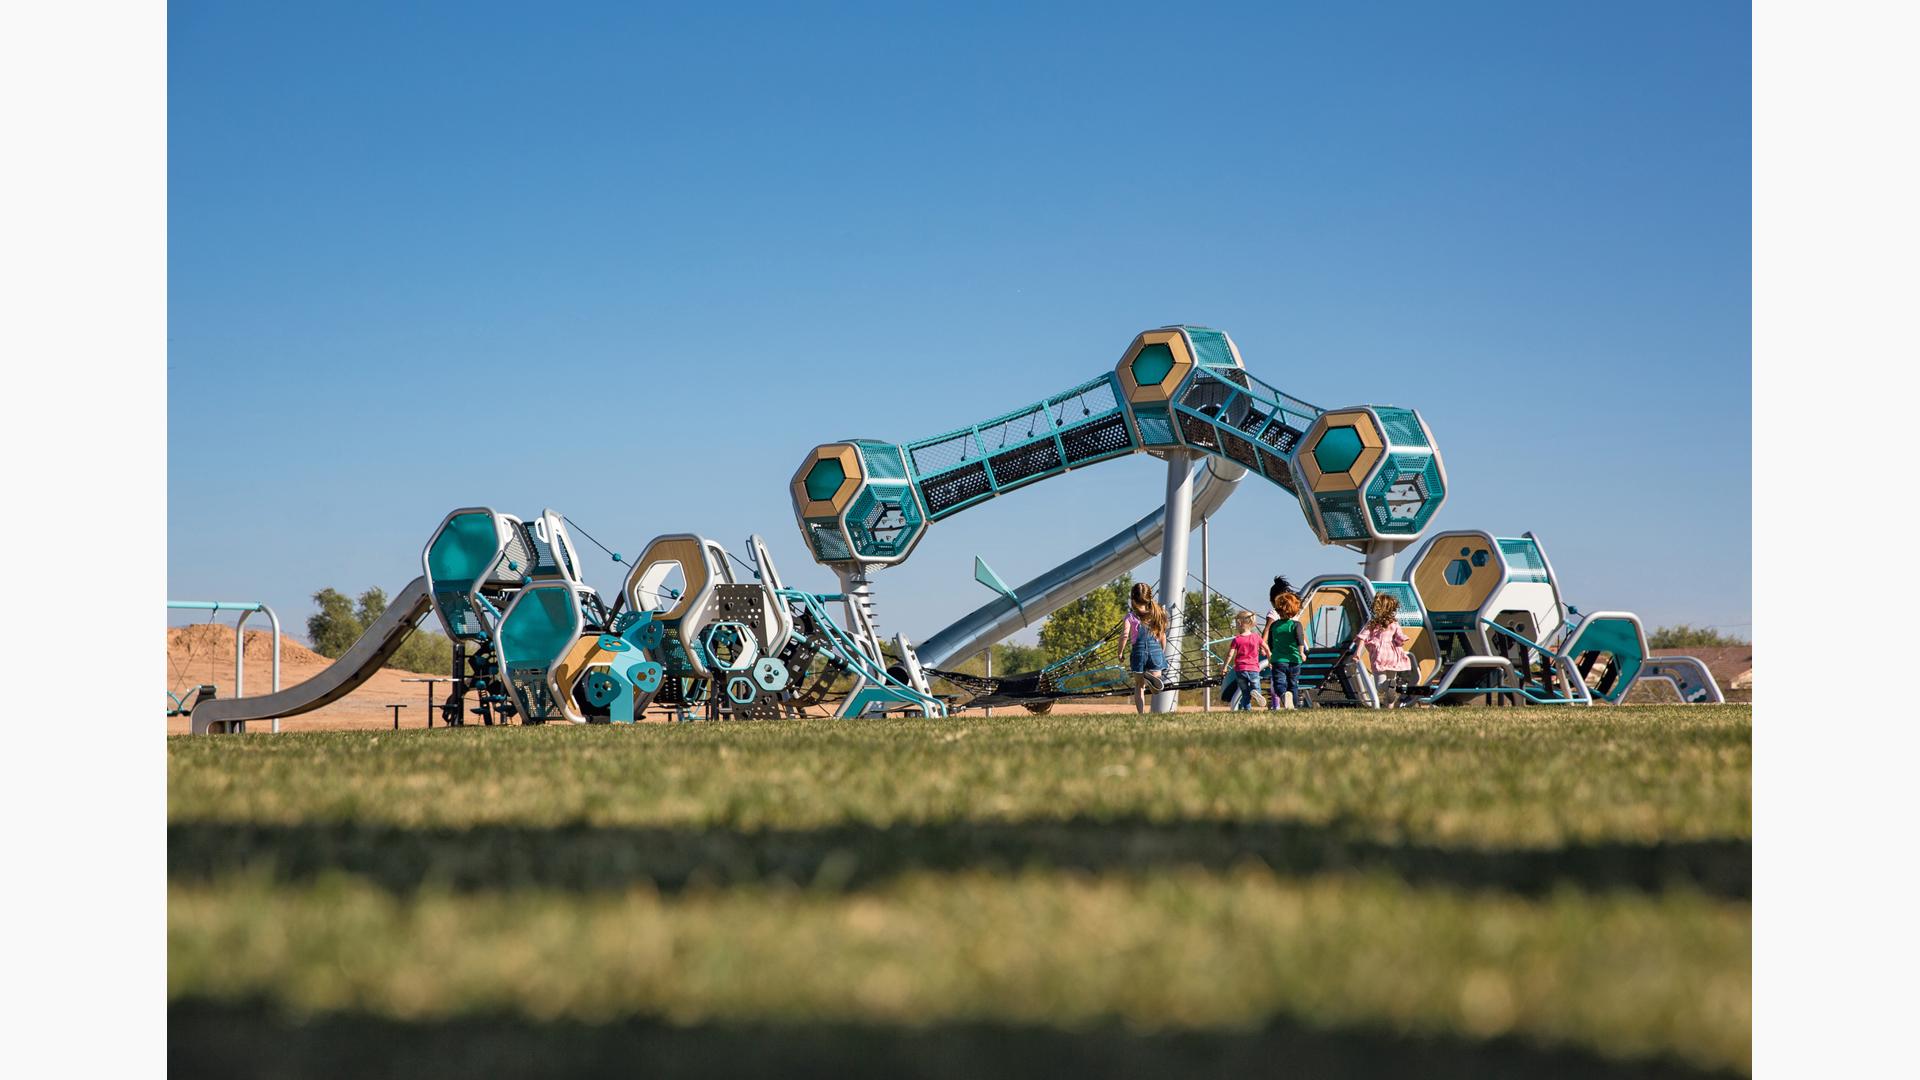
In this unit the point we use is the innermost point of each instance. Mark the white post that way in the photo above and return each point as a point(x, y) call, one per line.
point(1206, 624)
point(989, 709)
point(1173, 562)
point(1379, 564)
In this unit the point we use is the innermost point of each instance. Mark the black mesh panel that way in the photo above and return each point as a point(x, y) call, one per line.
point(1024, 463)
point(1094, 440)
point(948, 490)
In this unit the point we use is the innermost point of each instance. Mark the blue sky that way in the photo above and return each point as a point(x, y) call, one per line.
point(633, 262)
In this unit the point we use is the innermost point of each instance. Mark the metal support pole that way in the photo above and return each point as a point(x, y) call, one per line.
point(1379, 564)
point(1173, 563)
point(989, 673)
point(1206, 624)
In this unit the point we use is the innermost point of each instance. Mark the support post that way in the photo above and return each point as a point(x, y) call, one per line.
point(1173, 563)
point(1379, 564)
point(989, 709)
point(1206, 624)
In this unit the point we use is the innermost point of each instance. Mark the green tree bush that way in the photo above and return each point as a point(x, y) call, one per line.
point(1684, 636)
point(340, 621)
point(1086, 620)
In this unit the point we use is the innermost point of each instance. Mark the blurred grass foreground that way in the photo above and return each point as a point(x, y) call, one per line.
point(1471, 892)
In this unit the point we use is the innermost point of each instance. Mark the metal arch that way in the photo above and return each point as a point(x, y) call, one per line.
point(240, 639)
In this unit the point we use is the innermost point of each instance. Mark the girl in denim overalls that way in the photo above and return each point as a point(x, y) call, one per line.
point(1145, 640)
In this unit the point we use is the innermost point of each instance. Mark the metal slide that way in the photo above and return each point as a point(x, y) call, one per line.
point(1078, 576)
point(335, 681)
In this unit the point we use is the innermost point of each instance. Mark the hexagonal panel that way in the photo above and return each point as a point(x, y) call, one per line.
point(824, 479)
point(815, 492)
point(1337, 449)
point(1359, 426)
point(1456, 572)
point(1154, 366)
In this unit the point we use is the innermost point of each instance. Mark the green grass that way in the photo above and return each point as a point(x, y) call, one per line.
point(1462, 892)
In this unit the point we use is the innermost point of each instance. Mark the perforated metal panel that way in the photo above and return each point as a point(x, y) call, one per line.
point(828, 544)
point(938, 455)
point(1340, 512)
point(1026, 463)
point(882, 460)
point(1210, 346)
point(953, 490)
point(1524, 561)
point(1403, 428)
point(1102, 438)
point(1155, 428)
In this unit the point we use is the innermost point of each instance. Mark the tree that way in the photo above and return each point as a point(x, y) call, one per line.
point(335, 627)
point(1086, 620)
point(373, 604)
point(1684, 636)
point(339, 623)
point(1219, 613)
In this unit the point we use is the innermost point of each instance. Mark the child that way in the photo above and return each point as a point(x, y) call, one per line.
point(1287, 644)
point(1243, 661)
point(1144, 637)
point(1386, 646)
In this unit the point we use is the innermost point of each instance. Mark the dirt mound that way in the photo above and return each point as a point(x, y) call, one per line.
point(207, 638)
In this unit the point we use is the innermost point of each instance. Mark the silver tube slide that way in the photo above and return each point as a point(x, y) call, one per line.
point(355, 666)
point(1215, 480)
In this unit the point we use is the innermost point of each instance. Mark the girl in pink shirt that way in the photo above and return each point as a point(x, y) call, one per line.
point(1244, 654)
point(1386, 648)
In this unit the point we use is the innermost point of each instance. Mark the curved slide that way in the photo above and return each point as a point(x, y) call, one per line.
point(355, 666)
point(1078, 576)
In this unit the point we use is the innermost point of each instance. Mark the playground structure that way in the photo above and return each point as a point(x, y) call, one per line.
point(534, 643)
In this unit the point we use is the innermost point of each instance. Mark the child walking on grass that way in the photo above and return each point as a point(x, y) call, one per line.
point(1145, 639)
point(1386, 647)
point(1287, 645)
point(1244, 653)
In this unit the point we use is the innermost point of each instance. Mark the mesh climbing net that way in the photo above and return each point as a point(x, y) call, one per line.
point(1098, 670)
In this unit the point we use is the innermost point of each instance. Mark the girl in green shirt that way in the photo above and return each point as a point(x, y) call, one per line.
point(1287, 641)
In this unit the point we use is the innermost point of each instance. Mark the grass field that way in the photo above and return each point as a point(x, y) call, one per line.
point(1469, 892)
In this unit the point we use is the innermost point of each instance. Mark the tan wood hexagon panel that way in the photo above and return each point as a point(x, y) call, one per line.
point(1458, 573)
point(1155, 383)
point(1360, 444)
point(842, 456)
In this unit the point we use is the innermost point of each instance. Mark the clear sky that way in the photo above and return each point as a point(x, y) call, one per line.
point(632, 262)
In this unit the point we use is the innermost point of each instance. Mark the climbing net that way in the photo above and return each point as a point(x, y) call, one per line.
point(1098, 670)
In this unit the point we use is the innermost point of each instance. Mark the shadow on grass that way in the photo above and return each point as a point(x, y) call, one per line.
point(589, 858)
point(212, 1040)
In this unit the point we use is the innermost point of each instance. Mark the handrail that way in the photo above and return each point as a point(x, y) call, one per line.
point(1572, 672)
point(863, 665)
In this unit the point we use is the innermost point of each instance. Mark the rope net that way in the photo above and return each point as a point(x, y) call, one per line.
point(1097, 670)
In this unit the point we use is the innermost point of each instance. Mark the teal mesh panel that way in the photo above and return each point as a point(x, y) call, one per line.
point(828, 544)
point(1155, 427)
point(540, 627)
point(1524, 561)
point(884, 520)
point(1210, 346)
point(1084, 403)
point(1403, 428)
point(464, 549)
point(937, 455)
point(1406, 493)
point(882, 460)
point(1409, 601)
point(1340, 512)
